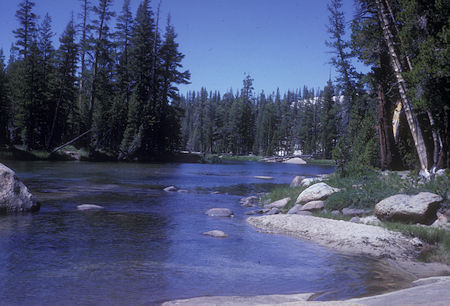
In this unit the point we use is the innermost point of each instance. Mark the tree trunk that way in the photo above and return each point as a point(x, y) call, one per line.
point(407, 106)
point(389, 158)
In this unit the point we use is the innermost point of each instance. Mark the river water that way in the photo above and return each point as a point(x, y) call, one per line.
point(147, 246)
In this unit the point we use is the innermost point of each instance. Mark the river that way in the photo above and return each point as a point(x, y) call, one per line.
point(147, 246)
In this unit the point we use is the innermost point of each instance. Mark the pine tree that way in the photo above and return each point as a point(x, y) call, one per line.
point(4, 103)
point(66, 116)
point(328, 121)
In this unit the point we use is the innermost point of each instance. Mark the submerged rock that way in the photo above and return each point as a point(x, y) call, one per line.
point(219, 212)
point(319, 191)
point(170, 189)
point(216, 234)
point(249, 201)
point(420, 208)
point(89, 207)
point(14, 195)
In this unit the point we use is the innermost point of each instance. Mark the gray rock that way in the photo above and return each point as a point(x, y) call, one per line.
point(304, 213)
point(441, 222)
point(416, 242)
point(294, 210)
point(313, 206)
point(355, 220)
point(274, 211)
point(295, 161)
point(336, 212)
point(355, 212)
point(297, 181)
point(170, 189)
point(219, 212)
point(319, 191)
point(279, 204)
point(215, 234)
point(420, 208)
point(14, 195)
point(89, 207)
point(249, 201)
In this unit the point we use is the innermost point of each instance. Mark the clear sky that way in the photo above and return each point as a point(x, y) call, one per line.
point(280, 43)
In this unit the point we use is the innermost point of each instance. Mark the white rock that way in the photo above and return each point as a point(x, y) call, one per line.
point(219, 212)
point(279, 204)
point(89, 207)
point(261, 177)
point(370, 220)
point(310, 180)
point(295, 160)
point(319, 191)
point(297, 181)
point(216, 234)
point(170, 189)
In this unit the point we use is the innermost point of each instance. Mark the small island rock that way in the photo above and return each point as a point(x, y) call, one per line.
point(215, 234)
point(219, 212)
point(14, 195)
point(89, 207)
point(170, 189)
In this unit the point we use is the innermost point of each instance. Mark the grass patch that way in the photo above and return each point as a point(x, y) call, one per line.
point(438, 238)
point(282, 192)
point(321, 162)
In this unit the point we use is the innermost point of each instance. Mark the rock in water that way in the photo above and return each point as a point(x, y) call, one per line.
point(89, 207)
point(316, 192)
point(14, 195)
point(420, 208)
point(170, 189)
point(216, 234)
point(219, 212)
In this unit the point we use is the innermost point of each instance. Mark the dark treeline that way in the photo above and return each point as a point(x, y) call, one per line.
point(112, 83)
point(300, 122)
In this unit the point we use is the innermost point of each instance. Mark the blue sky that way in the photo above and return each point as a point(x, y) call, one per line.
point(280, 43)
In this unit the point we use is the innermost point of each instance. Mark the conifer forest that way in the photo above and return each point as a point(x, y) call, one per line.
point(110, 88)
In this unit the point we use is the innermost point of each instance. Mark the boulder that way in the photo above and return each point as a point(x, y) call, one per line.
point(441, 222)
point(219, 212)
point(420, 208)
point(89, 207)
point(355, 220)
point(297, 181)
point(316, 192)
point(310, 180)
point(249, 201)
point(170, 189)
point(313, 206)
point(355, 212)
point(295, 161)
point(279, 204)
point(14, 195)
point(215, 234)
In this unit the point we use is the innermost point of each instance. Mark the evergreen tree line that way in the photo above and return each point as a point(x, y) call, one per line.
point(112, 85)
point(300, 122)
point(395, 116)
point(405, 43)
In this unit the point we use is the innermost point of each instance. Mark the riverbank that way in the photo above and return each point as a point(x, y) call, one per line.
point(434, 290)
